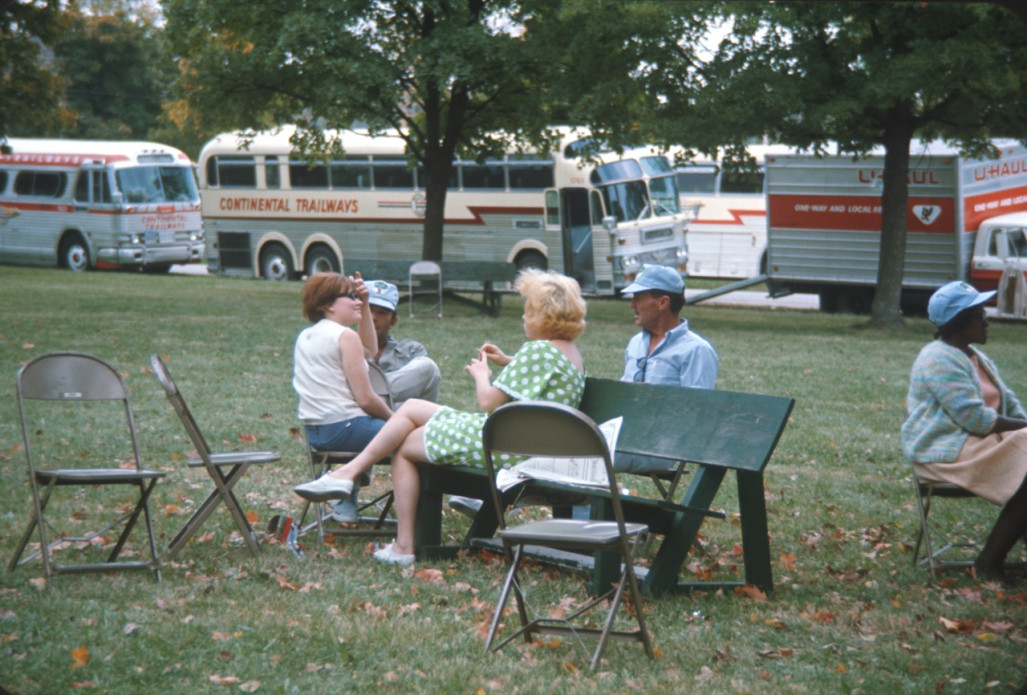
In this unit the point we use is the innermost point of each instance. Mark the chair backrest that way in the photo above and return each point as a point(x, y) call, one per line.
point(425, 268)
point(543, 428)
point(178, 403)
point(72, 377)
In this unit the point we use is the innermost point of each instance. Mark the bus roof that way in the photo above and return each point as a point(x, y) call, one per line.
point(54, 152)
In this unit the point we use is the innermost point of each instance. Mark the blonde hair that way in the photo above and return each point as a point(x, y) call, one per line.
point(319, 291)
point(553, 306)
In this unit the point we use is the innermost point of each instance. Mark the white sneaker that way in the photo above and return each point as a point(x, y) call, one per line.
point(344, 511)
point(325, 488)
point(387, 555)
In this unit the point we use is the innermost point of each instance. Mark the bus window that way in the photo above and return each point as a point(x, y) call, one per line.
point(353, 172)
point(621, 170)
point(3, 181)
point(626, 201)
point(697, 179)
point(177, 183)
point(272, 174)
point(236, 172)
point(741, 182)
point(392, 173)
point(156, 184)
point(664, 193)
point(529, 173)
point(44, 184)
point(552, 208)
point(488, 175)
point(91, 187)
point(655, 165)
point(303, 175)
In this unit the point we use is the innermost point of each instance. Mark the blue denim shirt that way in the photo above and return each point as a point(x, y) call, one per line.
point(683, 358)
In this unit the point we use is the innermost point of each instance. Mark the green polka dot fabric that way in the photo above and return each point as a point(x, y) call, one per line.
point(538, 371)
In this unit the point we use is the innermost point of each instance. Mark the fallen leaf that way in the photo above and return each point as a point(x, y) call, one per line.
point(430, 575)
point(250, 686)
point(129, 628)
point(751, 591)
point(248, 438)
point(79, 657)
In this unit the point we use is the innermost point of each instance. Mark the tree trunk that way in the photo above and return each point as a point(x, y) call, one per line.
point(886, 311)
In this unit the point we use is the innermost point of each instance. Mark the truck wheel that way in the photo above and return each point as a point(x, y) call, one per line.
point(531, 259)
point(74, 254)
point(275, 263)
point(320, 259)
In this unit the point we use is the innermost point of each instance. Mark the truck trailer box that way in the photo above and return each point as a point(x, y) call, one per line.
point(824, 223)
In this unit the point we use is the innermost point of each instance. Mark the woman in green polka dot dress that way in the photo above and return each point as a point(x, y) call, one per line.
point(546, 367)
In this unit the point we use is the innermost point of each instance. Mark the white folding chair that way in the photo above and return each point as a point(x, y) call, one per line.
point(421, 271)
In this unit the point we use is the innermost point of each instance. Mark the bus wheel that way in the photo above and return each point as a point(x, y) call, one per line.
point(74, 254)
point(321, 260)
point(531, 259)
point(275, 263)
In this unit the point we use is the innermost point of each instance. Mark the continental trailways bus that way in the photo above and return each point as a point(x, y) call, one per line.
point(269, 213)
point(82, 204)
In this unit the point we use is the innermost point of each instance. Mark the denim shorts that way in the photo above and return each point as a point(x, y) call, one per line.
point(348, 435)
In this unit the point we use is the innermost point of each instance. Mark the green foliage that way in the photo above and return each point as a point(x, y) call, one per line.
point(454, 78)
point(849, 614)
point(857, 74)
point(117, 76)
point(30, 85)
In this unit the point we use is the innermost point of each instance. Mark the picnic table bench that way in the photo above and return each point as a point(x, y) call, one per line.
point(488, 273)
point(712, 431)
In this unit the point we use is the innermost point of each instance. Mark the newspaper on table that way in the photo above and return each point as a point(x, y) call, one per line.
point(576, 470)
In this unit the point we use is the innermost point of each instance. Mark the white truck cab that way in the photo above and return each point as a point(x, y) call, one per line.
point(1000, 262)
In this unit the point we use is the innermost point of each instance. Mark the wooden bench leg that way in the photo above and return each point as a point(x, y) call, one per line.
point(755, 535)
point(663, 573)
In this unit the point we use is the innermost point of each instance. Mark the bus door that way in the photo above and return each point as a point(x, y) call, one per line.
point(576, 235)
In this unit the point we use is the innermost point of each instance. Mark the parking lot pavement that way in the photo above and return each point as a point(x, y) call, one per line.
point(759, 299)
point(189, 269)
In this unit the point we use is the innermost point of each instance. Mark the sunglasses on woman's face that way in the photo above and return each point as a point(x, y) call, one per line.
point(348, 295)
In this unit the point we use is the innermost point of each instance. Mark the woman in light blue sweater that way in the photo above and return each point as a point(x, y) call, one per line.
point(964, 425)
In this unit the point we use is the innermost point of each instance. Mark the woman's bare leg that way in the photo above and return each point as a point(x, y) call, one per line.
point(411, 416)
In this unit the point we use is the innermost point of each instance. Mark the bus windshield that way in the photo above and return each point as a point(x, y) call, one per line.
point(624, 190)
point(157, 184)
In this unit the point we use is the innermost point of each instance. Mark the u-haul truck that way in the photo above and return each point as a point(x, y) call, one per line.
point(966, 220)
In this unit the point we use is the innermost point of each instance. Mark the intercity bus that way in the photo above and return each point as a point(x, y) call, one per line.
point(82, 204)
point(269, 212)
point(728, 236)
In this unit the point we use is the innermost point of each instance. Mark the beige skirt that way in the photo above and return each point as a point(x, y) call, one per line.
point(992, 467)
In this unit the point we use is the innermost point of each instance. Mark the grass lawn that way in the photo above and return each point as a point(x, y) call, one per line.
point(849, 614)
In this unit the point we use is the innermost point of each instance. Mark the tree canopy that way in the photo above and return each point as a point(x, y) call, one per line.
point(31, 89)
point(452, 77)
point(859, 75)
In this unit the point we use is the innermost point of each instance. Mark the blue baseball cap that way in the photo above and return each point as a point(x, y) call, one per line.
point(656, 277)
point(383, 294)
point(953, 298)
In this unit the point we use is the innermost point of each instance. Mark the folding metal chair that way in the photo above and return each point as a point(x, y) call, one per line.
point(937, 542)
point(536, 428)
point(87, 394)
point(224, 468)
point(373, 516)
point(424, 269)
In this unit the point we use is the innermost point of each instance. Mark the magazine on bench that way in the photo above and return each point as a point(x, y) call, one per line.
point(569, 470)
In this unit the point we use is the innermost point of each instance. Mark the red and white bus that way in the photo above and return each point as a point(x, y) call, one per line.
point(728, 237)
point(82, 204)
point(269, 213)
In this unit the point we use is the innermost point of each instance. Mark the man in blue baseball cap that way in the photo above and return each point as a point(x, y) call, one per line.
point(665, 351)
point(408, 369)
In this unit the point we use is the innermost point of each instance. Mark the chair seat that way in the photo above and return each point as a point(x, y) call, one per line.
point(570, 532)
point(98, 476)
point(232, 458)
